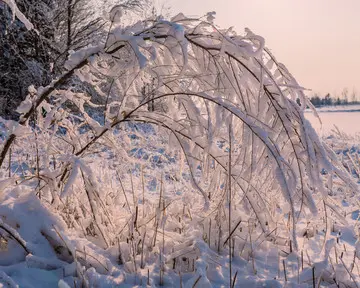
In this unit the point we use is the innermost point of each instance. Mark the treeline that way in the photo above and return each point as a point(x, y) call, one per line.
point(328, 100)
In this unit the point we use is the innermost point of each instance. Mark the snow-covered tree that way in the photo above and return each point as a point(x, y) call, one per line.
point(25, 55)
point(231, 156)
point(32, 57)
point(80, 23)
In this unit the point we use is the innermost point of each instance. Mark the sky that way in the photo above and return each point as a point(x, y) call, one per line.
point(318, 40)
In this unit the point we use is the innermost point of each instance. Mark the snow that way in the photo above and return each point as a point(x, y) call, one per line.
point(71, 179)
point(116, 13)
point(142, 198)
point(77, 57)
point(24, 106)
point(342, 118)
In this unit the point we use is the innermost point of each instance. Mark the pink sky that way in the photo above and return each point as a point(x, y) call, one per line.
point(318, 40)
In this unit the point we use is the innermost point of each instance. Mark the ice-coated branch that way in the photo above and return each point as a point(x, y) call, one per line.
point(17, 13)
point(40, 98)
point(15, 235)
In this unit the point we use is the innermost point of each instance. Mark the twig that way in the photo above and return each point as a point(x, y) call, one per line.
point(196, 282)
point(14, 235)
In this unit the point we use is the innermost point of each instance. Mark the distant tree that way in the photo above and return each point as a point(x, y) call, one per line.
point(354, 96)
point(328, 100)
point(316, 101)
point(338, 101)
point(344, 95)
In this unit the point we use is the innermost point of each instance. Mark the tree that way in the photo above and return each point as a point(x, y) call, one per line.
point(238, 128)
point(316, 101)
point(79, 23)
point(344, 95)
point(25, 54)
point(328, 100)
point(32, 58)
point(354, 98)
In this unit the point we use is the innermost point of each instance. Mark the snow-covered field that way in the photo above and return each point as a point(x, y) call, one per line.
point(189, 249)
point(343, 118)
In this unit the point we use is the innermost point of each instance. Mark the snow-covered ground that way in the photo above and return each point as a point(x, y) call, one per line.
point(339, 108)
point(187, 240)
point(344, 118)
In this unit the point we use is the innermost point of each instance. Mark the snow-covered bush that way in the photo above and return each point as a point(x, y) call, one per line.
point(223, 170)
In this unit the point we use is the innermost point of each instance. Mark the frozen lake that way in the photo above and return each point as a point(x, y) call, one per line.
point(347, 119)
